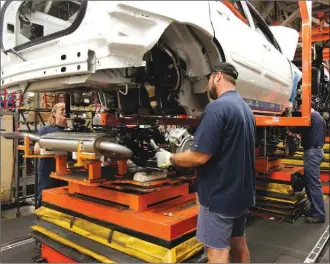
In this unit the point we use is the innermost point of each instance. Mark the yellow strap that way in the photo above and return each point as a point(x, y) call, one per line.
point(132, 246)
point(275, 187)
point(71, 244)
point(267, 198)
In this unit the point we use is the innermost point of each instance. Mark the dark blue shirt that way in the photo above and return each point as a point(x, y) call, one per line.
point(47, 165)
point(314, 136)
point(226, 183)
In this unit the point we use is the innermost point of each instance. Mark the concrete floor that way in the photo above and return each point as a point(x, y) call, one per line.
point(269, 241)
point(11, 213)
point(14, 234)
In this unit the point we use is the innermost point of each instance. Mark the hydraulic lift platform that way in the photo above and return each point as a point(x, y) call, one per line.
point(106, 216)
point(269, 241)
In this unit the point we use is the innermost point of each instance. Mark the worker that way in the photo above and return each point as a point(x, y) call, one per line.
point(223, 153)
point(312, 141)
point(57, 122)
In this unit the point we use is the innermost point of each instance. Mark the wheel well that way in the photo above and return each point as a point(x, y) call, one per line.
point(176, 67)
point(199, 49)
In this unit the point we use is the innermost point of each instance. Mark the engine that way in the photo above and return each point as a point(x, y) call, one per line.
point(145, 141)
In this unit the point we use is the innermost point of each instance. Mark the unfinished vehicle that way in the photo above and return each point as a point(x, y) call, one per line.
point(147, 59)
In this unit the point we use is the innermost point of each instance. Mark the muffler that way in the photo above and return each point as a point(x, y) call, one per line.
point(98, 143)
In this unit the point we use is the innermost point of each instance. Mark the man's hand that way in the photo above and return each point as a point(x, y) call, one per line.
point(163, 158)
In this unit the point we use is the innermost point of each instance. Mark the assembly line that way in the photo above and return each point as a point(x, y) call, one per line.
point(171, 136)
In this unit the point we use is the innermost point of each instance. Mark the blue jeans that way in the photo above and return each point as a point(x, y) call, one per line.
point(313, 158)
point(45, 167)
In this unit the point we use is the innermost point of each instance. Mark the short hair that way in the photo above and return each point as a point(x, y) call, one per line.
point(229, 78)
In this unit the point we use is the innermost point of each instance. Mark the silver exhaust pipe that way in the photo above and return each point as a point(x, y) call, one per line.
point(114, 148)
point(96, 143)
point(20, 135)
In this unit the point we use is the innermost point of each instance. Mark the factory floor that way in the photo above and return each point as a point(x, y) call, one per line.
point(269, 241)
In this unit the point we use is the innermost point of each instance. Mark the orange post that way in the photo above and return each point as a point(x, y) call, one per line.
point(235, 11)
point(318, 32)
point(122, 167)
point(94, 170)
point(27, 146)
point(305, 119)
point(61, 164)
point(306, 59)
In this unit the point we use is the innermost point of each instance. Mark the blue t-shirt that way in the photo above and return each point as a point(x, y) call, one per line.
point(47, 165)
point(226, 183)
point(314, 136)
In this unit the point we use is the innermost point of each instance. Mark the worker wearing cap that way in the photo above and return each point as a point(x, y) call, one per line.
point(313, 139)
point(56, 123)
point(223, 152)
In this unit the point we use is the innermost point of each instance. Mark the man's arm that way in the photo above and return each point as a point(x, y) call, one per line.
point(190, 159)
point(207, 141)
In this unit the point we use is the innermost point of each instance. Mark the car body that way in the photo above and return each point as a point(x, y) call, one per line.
point(166, 47)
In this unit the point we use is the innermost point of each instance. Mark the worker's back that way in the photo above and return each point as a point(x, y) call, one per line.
point(226, 183)
point(314, 136)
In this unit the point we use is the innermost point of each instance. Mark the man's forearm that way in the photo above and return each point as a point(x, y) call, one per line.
point(189, 159)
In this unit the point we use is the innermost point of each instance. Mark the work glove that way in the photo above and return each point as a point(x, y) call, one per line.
point(163, 158)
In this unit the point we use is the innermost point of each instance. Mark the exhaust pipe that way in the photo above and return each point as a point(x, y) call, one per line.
point(96, 143)
point(114, 148)
point(20, 135)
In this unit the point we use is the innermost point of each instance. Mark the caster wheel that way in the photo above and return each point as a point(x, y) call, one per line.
point(280, 219)
point(40, 260)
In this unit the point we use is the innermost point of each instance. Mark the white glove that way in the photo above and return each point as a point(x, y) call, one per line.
point(163, 158)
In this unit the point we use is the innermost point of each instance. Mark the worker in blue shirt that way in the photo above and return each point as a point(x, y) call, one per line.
point(56, 122)
point(223, 153)
point(313, 138)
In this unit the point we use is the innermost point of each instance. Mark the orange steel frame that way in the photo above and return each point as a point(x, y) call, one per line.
point(268, 120)
point(135, 202)
point(326, 53)
point(145, 212)
point(319, 34)
point(168, 220)
point(281, 174)
point(28, 154)
point(305, 119)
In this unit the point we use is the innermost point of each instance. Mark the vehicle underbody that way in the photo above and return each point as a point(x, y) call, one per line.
point(169, 80)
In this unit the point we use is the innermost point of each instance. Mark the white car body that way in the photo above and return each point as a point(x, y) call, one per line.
point(114, 36)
